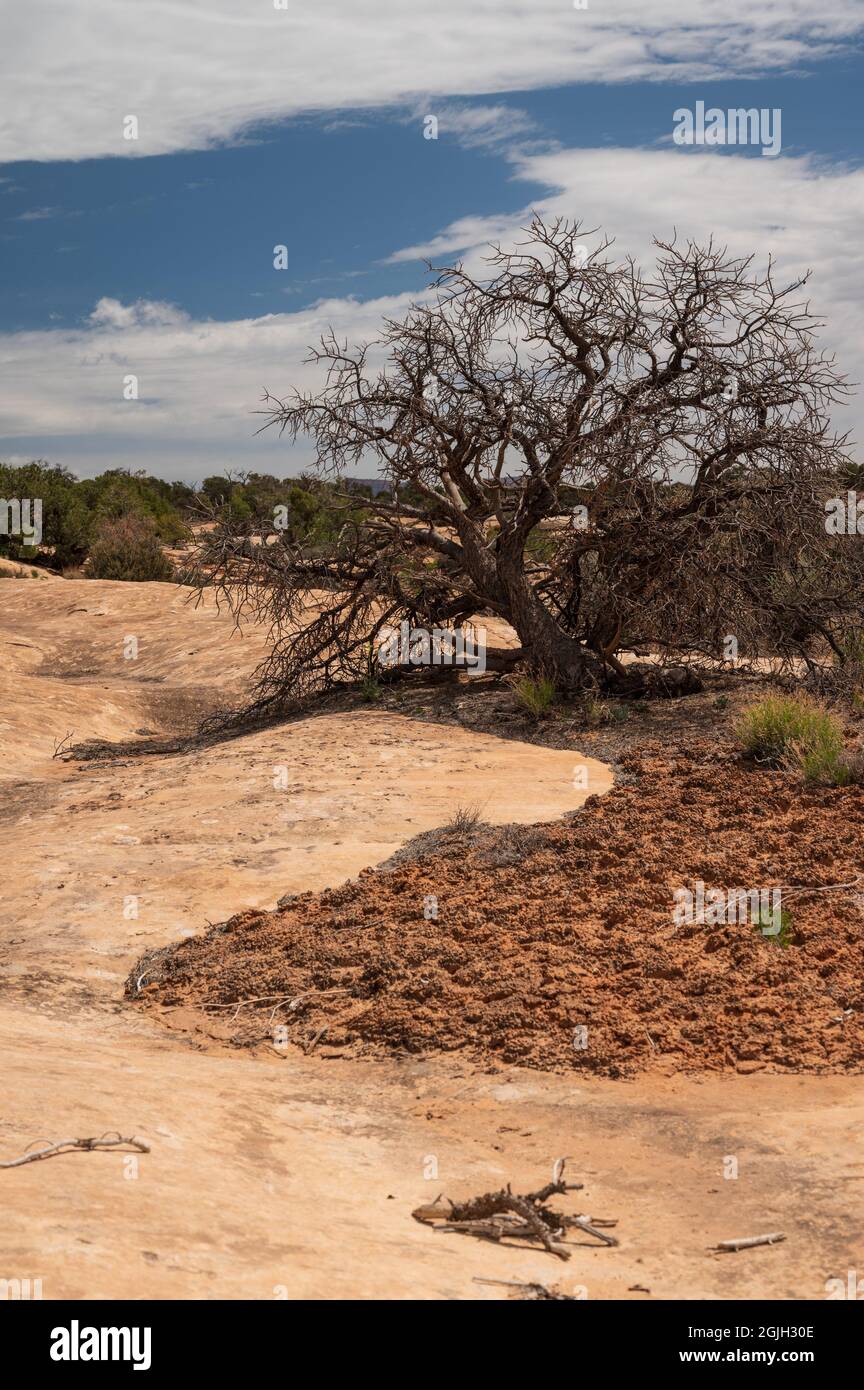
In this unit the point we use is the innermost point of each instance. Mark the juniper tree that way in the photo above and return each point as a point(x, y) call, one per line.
point(606, 458)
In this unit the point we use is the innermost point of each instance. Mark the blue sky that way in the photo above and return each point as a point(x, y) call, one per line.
point(177, 247)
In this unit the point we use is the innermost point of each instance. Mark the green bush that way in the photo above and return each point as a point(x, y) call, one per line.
point(128, 548)
point(794, 732)
point(536, 696)
point(73, 509)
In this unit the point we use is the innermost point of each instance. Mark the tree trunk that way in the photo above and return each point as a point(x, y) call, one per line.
point(550, 650)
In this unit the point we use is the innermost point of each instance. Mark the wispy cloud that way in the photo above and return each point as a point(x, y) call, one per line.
point(499, 128)
point(201, 381)
point(200, 73)
point(44, 214)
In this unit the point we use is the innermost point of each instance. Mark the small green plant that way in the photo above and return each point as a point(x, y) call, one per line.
point(534, 695)
point(594, 713)
point(821, 759)
point(721, 702)
point(794, 732)
point(619, 714)
point(767, 926)
point(370, 688)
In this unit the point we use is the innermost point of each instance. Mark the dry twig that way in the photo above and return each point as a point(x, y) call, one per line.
point(496, 1215)
point(531, 1293)
point(748, 1242)
point(110, 1140)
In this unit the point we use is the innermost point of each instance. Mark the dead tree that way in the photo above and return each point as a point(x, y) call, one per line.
point(607, 459)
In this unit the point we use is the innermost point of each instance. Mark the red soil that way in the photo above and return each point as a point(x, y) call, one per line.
point(578, 932)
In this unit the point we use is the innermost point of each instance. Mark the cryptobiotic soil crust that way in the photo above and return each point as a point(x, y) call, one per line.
point(562, 946)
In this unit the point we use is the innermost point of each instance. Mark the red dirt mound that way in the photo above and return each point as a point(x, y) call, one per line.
point(556, 946)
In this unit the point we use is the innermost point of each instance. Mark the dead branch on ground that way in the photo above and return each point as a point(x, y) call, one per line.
point(495, 1215)
point(110, 1140)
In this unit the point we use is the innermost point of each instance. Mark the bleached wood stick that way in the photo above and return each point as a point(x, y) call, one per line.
point(747, 1242)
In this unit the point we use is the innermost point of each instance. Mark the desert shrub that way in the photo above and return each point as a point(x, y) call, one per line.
point(370, 689)
point(853, 764)
point(820, 757)
point(797, 733)
point(466, 820)
point(534, 695)
point(128, 548)
point(307, 509)
point(192, 576)
point(512, 844)
point(593, 712)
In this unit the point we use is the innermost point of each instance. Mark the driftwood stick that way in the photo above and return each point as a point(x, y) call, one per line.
point(314, 1041)
point(535, 1291)
point(748, 1242)
point(109, 1140)
point(583, 1223)
point(293, 1001)
point(497, 1230)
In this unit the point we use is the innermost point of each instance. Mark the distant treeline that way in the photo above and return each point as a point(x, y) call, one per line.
point(78, 514)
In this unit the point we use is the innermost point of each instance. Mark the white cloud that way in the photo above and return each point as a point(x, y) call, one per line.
point(200, 384)
point(201, 381)
point(203, 71)
point(112, 314)
point(805, 212)
point(481, 126)
point(40, 214)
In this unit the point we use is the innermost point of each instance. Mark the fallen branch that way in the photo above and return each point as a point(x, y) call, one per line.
point(316, 1038)
point(819, 888)
point(495, 1215)
point(533, 1293)
point(109, 1140)
point(292, 1001)
point(583, 1223)
point(59, 742)
point(748, 1242)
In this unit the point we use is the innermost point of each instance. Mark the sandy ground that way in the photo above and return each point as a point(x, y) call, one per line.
point(296, 1177)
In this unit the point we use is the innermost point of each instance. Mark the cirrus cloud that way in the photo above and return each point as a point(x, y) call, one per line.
point(205, 71)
